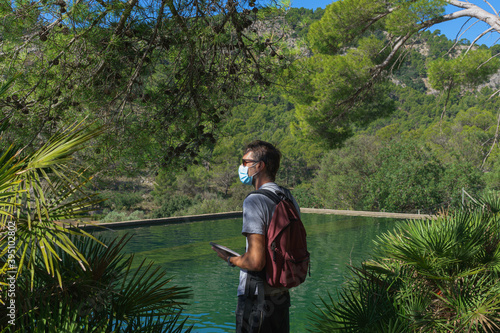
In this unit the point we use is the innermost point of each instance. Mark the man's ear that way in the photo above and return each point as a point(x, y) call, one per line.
point(263, 166)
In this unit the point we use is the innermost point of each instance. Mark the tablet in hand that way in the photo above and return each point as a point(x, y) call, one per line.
point(226, 249)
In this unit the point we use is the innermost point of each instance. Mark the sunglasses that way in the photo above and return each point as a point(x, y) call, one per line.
point(244, 162)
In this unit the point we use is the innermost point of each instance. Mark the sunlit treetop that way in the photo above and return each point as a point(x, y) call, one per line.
point(357, 44)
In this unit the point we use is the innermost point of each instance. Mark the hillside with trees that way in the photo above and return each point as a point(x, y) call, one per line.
point(415, 152)
point(366, 119)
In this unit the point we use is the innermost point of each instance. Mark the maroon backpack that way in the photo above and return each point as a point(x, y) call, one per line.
point(287, 258)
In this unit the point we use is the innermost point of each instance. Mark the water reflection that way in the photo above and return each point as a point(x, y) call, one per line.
point(183, 251)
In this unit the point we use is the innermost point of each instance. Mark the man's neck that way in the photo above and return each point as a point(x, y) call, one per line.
point(259, 182)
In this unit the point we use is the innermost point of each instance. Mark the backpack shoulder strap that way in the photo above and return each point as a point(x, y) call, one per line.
point(270, 194)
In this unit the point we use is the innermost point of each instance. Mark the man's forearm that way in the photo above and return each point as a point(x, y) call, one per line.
point(255, 257)
point(248, 262)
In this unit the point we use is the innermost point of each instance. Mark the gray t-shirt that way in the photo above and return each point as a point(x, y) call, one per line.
point(257, 213)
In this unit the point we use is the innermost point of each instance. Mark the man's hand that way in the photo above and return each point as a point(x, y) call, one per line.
point(221, 253)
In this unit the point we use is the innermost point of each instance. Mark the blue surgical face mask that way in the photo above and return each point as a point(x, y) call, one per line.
point(244, 177)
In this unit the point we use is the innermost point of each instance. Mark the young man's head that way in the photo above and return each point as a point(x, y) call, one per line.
point(265, 152)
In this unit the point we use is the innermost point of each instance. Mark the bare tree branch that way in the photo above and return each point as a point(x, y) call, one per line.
point(461, 34)
point(492, 8)
point(472, 10)
point(477, 38)
point(495, 140)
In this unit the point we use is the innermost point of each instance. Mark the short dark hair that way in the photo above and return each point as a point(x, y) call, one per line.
point(266, 152)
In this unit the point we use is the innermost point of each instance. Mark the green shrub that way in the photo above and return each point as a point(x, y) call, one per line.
point(343, 176)
point(408, 178)
point(305, 197)
point(114, 216)
point(172, 205)
point(118, 216)
point(121, 200)
point(212, 206)
point(136, 215)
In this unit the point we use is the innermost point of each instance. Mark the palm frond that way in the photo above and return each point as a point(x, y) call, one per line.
point(145, 291)
point(108, 291)
point(436, 275)
point(58, 317)
point(364, 306)
point(324, 318)
point(491, 201)
point(37, 190)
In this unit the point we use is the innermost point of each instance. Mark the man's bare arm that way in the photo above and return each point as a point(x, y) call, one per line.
point(255, 257)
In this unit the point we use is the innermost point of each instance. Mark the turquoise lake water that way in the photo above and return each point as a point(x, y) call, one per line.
point(183, 251)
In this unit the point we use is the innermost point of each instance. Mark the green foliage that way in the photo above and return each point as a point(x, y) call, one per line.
point(328, 96)
point(343, 177)
point(211, 206)
point(407, 16)
point(305, 196)
point(159, 74)
point(492, 177)
point(58, 318)
point(427, 275)
point(469, 71)
point(342, 24)
point(358, 310)
point(407, 179)
point(458, 176)
point(301, 19)
point(356, 47)
point(171, 205)
point(396, 174)
point(439, 46)
point(37, 190)
point(119, 216)
point(108, 294)
point(344, 85)
point(411, 70)
point(121, 200)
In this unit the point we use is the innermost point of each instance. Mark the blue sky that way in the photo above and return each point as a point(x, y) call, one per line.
point(450, 29)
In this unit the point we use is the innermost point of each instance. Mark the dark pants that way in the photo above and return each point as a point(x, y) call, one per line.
point(271, 317)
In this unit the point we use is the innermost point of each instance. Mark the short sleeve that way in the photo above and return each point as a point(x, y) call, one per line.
point(255, 214)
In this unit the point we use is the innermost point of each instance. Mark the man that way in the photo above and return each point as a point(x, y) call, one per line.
point(261, 308)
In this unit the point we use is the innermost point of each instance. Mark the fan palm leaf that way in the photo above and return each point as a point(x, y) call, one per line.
point(490, 201)
point(364, 305)
point(126, 299)
point(472, 303)
point(58, 317)
point(439, 275)
point(38, 191)
point(324, 317)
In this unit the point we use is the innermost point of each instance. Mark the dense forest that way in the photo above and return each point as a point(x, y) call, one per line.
point(433, 143)
point(359, 127)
